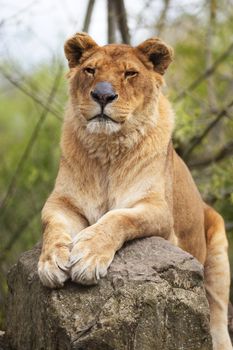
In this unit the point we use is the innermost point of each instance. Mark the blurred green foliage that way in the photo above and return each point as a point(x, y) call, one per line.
point(19, 114)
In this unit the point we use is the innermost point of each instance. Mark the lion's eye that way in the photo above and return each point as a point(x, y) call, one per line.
point(89, 70)
point(130, 73)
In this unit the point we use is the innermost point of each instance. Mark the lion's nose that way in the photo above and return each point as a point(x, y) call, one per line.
point(103, 93)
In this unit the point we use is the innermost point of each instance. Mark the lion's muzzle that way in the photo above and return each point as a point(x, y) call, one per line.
point(103, 94)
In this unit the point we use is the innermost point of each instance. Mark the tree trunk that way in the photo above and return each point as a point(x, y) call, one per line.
point(111, 22)
point(122, 21)
point(87, 19)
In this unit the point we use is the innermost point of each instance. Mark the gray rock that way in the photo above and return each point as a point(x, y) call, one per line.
point(152, 299)
point(3, 342)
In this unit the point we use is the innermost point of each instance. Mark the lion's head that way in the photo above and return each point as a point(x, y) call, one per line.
point(115, 86)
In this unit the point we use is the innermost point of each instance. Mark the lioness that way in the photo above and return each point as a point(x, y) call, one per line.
point(120, 178)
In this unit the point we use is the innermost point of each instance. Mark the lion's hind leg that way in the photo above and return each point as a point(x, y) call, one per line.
point(217, 278)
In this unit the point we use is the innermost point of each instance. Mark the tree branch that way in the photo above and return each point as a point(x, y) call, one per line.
point(17, 234)
point(197, 140)
point(209, 54)
point(212, 198)
point(34, 135)
point(224, 152)
point(206, 74)
point(162, 19)
point(29, 94)
point(21, 11)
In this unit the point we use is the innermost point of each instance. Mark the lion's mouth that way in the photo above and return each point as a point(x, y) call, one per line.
point(103, 118)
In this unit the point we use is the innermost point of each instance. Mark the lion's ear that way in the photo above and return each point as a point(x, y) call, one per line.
point(157, 52)
point(76, 46)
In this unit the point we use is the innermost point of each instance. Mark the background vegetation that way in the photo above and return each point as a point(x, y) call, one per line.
point(33, 97)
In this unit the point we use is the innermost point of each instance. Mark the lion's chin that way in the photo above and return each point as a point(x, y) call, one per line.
point(103, 127)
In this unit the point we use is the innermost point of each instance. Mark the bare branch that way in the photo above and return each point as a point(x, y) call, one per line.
point(197, 140)
point(141, 16)
point(162, 20)
point(224, 152)
point(17, 234)
point(29, 93)
point(34, 135)
point(209, 54)
point(212, 198)
point(122, 21)
point(18, 13)
point(87, 20)
point(206, 74)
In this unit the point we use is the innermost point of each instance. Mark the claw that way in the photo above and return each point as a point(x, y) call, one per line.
point(76, 258)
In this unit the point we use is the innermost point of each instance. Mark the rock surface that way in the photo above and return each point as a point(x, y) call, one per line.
point(3, 342)
point(152, 299)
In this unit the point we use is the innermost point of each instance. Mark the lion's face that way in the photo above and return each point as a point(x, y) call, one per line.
point(116, 85)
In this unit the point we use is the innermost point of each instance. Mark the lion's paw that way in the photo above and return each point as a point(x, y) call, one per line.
point(90, 257)
point(53, 266)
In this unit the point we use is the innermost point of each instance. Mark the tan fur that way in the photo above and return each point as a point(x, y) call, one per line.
point(121, 179)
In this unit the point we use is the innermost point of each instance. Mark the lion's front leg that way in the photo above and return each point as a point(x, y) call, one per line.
point(60, 224)
point(95, 246)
